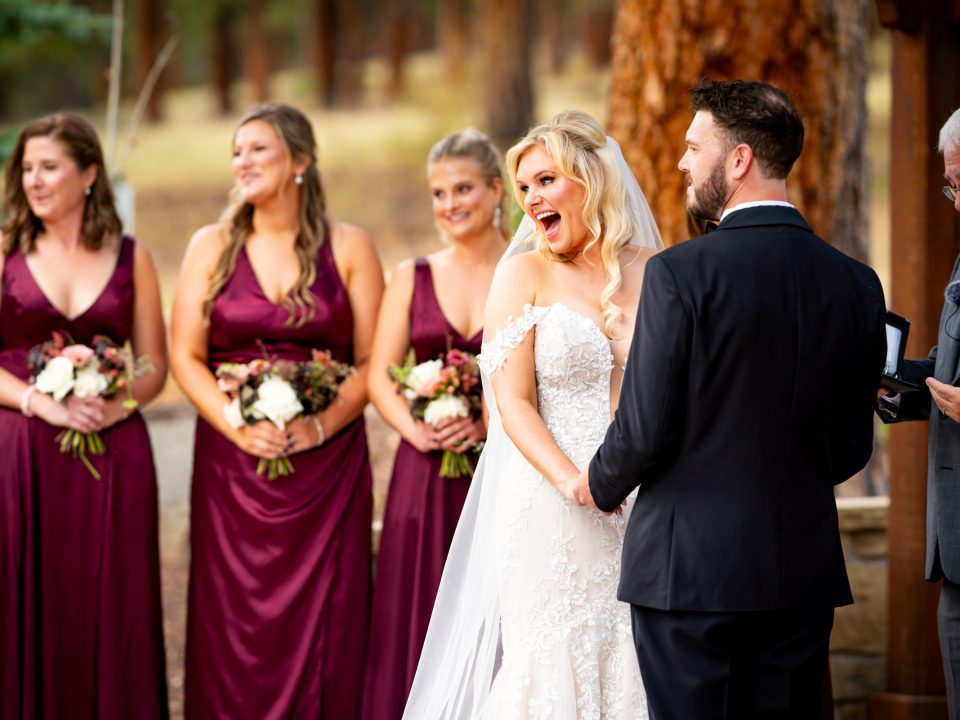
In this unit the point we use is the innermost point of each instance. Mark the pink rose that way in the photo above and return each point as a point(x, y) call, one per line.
point(79, 355)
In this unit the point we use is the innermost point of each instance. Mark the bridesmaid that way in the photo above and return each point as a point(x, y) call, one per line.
point(80, 619)
point(432, 304)
point(279, 576)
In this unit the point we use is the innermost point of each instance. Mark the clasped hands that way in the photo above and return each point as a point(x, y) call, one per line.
point(576, 488)
point(86, 415)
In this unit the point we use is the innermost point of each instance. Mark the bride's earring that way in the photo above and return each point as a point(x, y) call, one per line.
point(497, 216)
point(298, 179)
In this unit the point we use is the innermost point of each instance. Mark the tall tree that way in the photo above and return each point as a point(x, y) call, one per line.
point(398, 28)
point(150, 40)
point(339, 33)
point(258, 51)
point(508, 88)
point(453, 25)
point(595, 25)
point(223, 54)
point(816, 50)
point(553, 32)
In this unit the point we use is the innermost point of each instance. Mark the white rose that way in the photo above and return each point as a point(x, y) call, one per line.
point(425, 374)
point(277, 401)
point(89, 382)
point(444, 408)
point(233, 414)
point(56, 378)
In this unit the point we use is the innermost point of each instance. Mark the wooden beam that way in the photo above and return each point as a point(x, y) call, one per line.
point(925, 242)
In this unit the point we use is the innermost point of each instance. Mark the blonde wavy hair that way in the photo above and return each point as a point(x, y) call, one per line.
point(578, 145)
point(294, 130)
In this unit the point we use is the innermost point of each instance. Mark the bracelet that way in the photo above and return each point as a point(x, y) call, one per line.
point(321, 435)
point(25, 400)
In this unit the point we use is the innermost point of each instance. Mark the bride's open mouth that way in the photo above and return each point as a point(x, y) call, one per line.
point(550, 222)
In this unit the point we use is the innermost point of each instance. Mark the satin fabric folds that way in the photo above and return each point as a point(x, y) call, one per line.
point(279, 575)
point(80, 619)
point(418, 525)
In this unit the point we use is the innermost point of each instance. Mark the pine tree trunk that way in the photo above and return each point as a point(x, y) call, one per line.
point(222, 56)
point(453, 31)
point(398, 29)
point(149, 44)
point(595, 25)
point(325, 30)
point(816, 50)
point(508, 89)
point(338, 30)
point(553, 36)
point(258, 52)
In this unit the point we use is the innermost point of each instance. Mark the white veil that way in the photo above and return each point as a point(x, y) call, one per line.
point(461, 654)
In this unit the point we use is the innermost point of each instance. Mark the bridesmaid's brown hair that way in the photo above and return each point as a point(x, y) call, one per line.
point(79, 140)
point(294, 130)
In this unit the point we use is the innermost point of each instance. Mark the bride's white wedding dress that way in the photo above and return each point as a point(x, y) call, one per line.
point(567, 641)
point(526, 624)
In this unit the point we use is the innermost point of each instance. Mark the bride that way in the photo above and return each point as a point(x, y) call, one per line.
point(526, 623)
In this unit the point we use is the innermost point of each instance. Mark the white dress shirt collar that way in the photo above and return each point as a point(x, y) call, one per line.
point(755, 203)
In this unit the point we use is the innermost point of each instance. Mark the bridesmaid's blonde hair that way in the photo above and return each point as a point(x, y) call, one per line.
point(578, 145)
point(471, 144)
point(294, 130)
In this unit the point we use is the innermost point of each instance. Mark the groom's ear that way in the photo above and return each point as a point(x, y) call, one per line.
point(741, 160)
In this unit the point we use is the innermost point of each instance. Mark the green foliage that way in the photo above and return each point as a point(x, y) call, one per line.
point(24, 23)
point(52, 54)
point(7, 141)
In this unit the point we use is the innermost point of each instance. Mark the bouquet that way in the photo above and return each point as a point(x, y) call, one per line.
point(439, 390)
point(279, 391)
point(60, 367)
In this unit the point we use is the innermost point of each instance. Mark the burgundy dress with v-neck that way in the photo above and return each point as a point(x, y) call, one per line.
point(279, 573)
point(419, 521)
point(80, 620)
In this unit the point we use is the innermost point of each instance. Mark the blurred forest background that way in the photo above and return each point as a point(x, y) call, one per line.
point(382, 80)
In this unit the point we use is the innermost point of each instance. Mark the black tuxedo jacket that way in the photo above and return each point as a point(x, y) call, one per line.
point(749, 393)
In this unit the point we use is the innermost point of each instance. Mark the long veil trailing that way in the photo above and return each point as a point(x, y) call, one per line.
point(461, 654)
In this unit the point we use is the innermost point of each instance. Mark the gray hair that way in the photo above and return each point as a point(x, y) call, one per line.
point(950, 133)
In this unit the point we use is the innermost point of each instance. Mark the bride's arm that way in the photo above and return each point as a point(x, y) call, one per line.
point(514, 381)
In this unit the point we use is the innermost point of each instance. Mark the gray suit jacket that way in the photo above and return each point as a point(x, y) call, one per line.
point(943, 450)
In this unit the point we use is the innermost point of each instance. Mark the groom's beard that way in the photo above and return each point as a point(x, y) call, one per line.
point(710, 197)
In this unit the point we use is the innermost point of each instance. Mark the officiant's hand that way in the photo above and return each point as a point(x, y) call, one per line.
point(947, 398)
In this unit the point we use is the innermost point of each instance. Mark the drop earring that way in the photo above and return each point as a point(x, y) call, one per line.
point(298, 179)
point(87, 191)
point(497, 216)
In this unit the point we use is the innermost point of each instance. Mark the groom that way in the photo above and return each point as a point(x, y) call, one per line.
point(749, 393)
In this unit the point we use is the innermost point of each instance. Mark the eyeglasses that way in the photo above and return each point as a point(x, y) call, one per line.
point(951, 193)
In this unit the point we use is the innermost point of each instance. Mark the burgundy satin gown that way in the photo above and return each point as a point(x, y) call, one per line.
point(421, 515)
point(280, 570)
point(80, 619)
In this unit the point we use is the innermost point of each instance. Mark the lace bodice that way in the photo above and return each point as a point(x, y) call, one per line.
point(573, 364)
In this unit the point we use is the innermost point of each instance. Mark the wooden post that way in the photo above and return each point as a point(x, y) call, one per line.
point(925, 242)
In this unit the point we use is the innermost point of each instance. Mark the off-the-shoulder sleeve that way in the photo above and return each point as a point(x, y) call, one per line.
point(494, 353)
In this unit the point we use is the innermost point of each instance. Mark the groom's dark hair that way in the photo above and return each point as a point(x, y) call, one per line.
point(756, 114)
